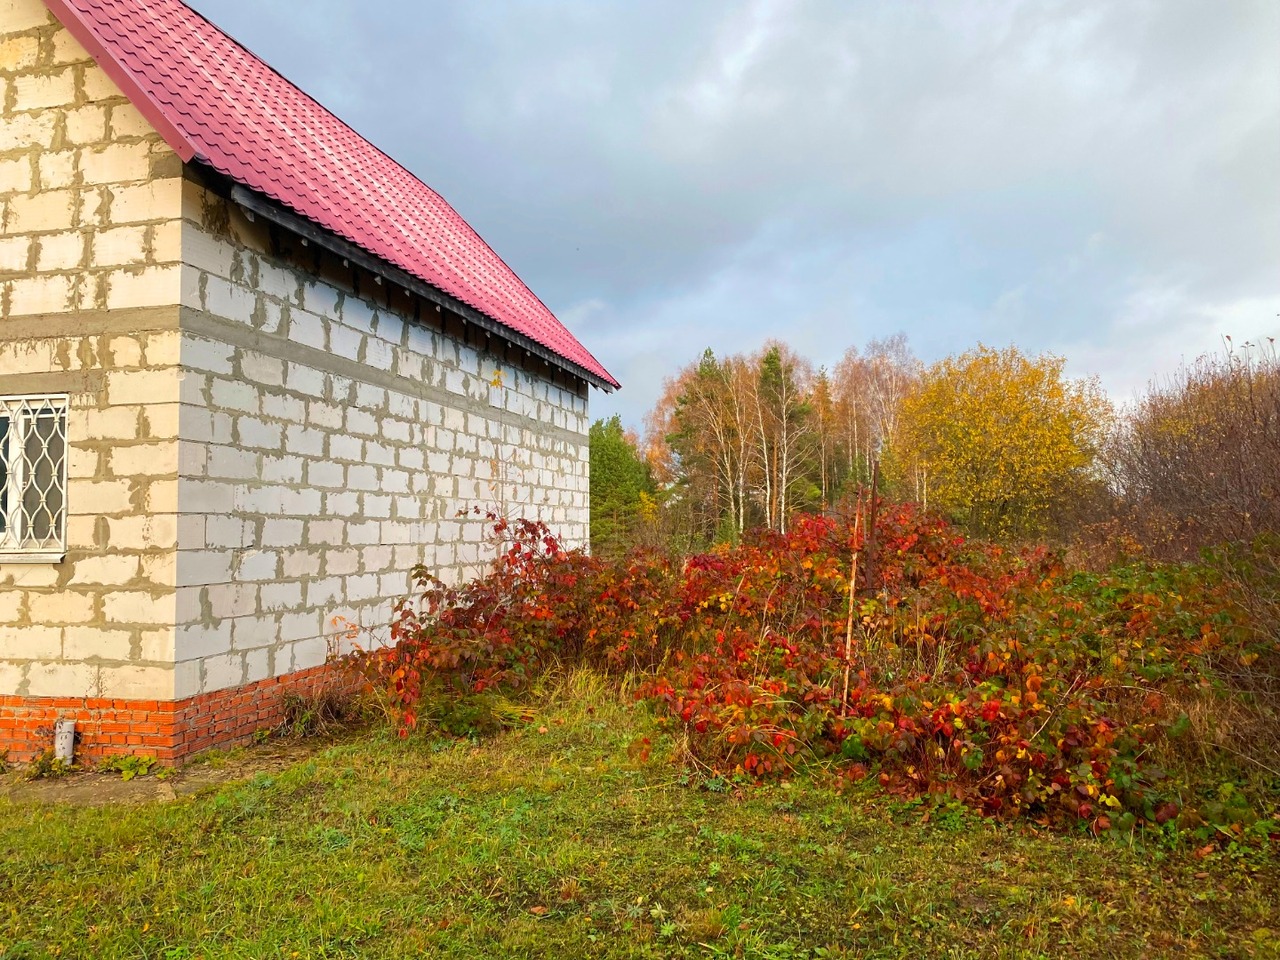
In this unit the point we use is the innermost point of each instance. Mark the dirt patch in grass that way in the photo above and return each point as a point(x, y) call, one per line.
point(91, 788)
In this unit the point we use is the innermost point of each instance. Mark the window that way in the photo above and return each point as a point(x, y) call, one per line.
point(33, 479)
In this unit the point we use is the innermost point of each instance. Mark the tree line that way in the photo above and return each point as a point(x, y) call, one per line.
point(1003, 443)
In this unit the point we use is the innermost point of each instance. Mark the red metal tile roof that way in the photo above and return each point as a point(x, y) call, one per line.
point(215, 102)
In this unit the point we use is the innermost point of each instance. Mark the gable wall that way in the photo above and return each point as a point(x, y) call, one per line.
point(329, 442)
point(260, 439)
point(90, 203)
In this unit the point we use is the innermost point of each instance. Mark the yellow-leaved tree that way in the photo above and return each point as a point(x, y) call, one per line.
point(1000, 441)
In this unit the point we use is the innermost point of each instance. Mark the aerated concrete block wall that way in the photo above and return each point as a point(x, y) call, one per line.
point(262, 439)
point(329, 442)
point(90, 277)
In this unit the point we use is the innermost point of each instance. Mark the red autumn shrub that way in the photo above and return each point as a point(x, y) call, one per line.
point(956, 667)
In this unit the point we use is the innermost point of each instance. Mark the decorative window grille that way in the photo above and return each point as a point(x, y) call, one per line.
point(33, 479)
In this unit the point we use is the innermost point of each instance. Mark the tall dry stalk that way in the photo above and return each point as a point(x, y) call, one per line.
point(853, 596)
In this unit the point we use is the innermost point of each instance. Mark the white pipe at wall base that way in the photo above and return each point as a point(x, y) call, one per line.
point(64, 741)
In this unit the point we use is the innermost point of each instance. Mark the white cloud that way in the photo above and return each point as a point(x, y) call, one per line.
point(1093, 178)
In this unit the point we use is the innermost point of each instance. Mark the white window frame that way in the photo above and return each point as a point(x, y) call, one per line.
point(18, 544)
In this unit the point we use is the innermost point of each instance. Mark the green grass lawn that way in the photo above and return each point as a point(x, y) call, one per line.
point(550, 841)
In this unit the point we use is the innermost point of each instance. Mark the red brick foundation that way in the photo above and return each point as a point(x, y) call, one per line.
point(169, 730)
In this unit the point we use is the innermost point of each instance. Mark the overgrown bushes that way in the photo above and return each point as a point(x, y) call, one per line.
point(958, 668)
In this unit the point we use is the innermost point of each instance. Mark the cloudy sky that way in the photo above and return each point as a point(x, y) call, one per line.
point(1094, 178)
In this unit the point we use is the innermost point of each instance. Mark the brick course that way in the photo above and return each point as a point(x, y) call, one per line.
point(169, 730)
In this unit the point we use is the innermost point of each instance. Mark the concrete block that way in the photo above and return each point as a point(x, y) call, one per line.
point(98, 86)
point(57, 170)
point(360, 422)
point(229, 300)
point(39, 91)
point(282, 469)
point(138, 681)
point(304, 441)
point(320, 298)
point(308, 329)
point(234, 395)
point(142, 386)
point(362, 477)
point(257, 565)
point(342, 504)
point(116, 163)
point(232, 532)
point(15, 175)
point(342, 563)
point(41, 294)
point(231, 463)
point(17, 53)
point(163, 349)
point(375, 507)
point(13, 676)
point(207, 496)
point(203, 567)
point(300, 503)
point(160, 569)
point(195, 641)
point(63, 607)
point(127, 121)
point(153, 200)
point(161, 420)
point(259, 433)
point(307, 653)
point(279, 283)
point(25, 131)
point(124, 351)
point(36, 642)
point(280, 531)
point(303, 379)
point(158, 531)
point(14, 254)
point(278, 597)
point(11, 605)
point(159, 495)
point(322, 414)
point(100, 496)
point(87, 124)
point(113, 423)
point(62, 680)
point(158, 458)
point(259, 369)
point(284, 407)
point(300, 563)
point(233, 599)
point(344, 342)
point(257, 664)
point(136, 606)
point(89, 643)
point(377, 353)
point(377, 559)
point(324, 592)
point(119, 246)
point(223, 671)
point(252, 633)
point(149, 287)
point(207, 355)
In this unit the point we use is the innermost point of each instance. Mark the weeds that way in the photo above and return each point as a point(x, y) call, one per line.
point(127, 765)
point(47, 766)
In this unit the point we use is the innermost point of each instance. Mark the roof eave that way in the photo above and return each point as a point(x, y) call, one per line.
point(256, 204)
